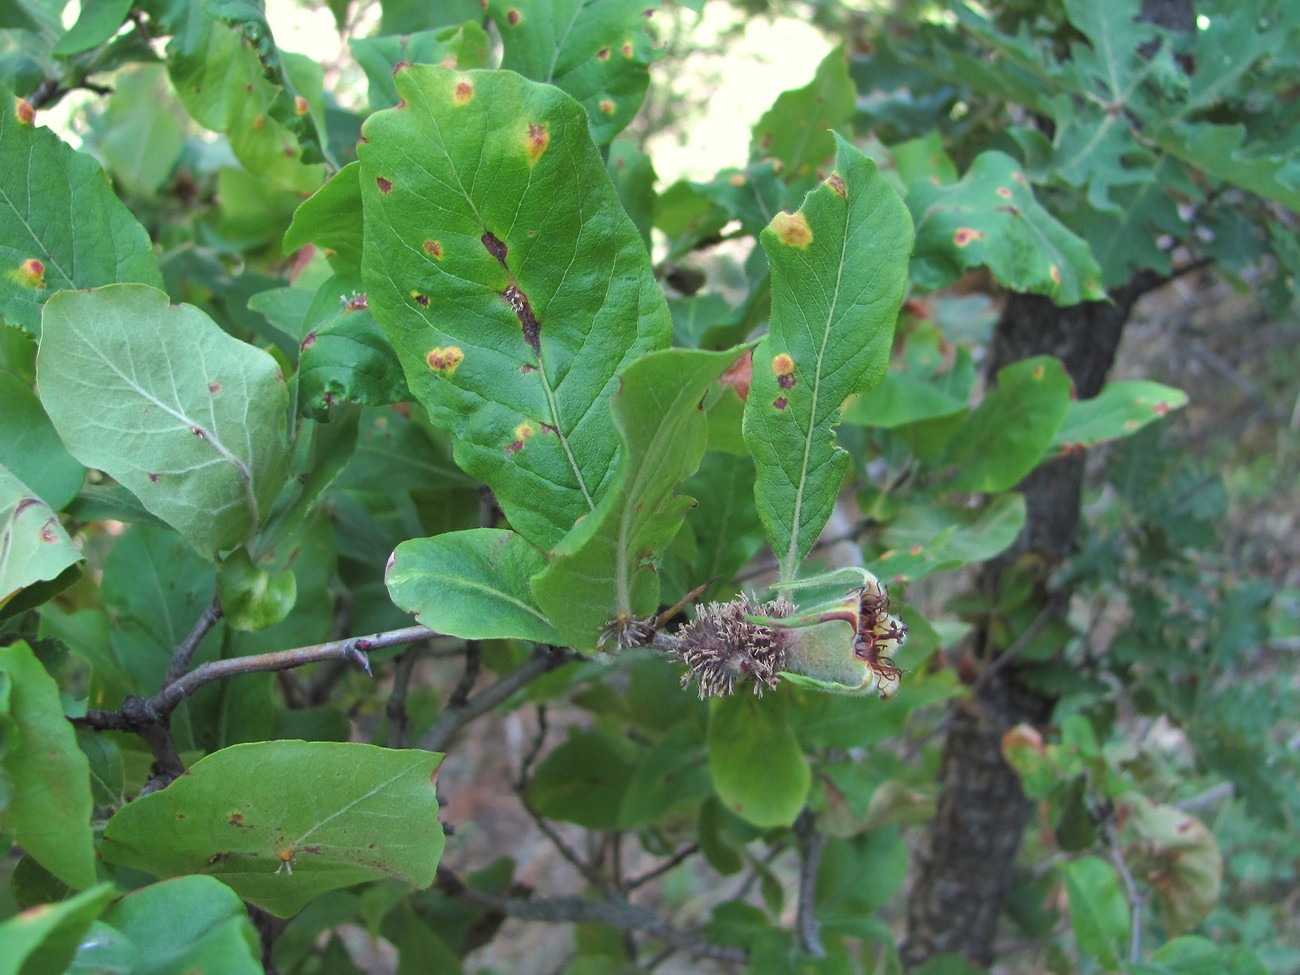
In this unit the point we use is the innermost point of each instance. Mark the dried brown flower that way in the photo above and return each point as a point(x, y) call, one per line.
point(722, 648)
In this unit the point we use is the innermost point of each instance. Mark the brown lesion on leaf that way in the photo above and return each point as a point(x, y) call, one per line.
point(549, 428)
point(518, 302)
point(23, 109)
point(966, 235)
point(300, 106)
point(445, 360)
point(783, 369)
point(627, 49)
point(385, 185)
point(792, 229)
point(434, 249)
point(420, 299)
point(464, 93)
point(48, 534)
point(780, 402)
point(607, 106)
point(153, 477)
point(602, 54)
point(308, 341)
point(836, 182)
point(29, 274)
point(513, 17)
point(1055, 272)
point(214, 387)
point(495, 246)
point(537, 140)
point(1004, 192)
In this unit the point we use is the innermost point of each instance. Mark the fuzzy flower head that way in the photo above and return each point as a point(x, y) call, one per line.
point(723, 646)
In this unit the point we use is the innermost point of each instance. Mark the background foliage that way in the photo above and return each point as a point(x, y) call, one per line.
point(294, 351)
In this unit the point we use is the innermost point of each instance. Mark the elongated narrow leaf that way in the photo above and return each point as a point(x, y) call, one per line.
point(990, 217)
point(284, 821)
point(510, 281)
point(839, 266)
point(595, 50)
point(1119, 410)
point(604, 569)
point(60, 224)
point(471, 584)
point(189, 419)
point(34, 548)
point(48, 809)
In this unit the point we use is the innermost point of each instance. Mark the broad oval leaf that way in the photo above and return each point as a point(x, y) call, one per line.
point(990, 217)
point(510, 281)
point(759, 770)
point(285, 821)
point(46, 191)
point(595, 50)
point(49, 802)
point(604, 569)
point(34, 548)
point(1006, 436)
point(189, 419)
point(839, 267)
point(797, 129)
point(188, 924)
point(471, 584)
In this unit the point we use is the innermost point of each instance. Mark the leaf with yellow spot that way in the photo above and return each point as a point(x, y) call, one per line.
point(835, 297)
point(511, 283)
point(596, 50)
point(990, 218)
point(1119, 410)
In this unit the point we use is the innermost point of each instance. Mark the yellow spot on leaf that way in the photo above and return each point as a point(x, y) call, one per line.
point(1004, 192)
point(607, 106)
point(29, 274)
point(300, 106)
point(966, 235)
point(445, 360)
point(539, 137)
point(602, 54)
point(792, 229)
point(627, 49)
point(464, 92)
point(782, 364)
point(524, 431)
point(1039, 373)
point(1056, 274)
point(736, 179)
point(23, 109)
point(433, 248)
point(836, 182)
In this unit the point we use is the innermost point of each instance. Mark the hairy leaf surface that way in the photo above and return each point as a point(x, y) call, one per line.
point(189, 419)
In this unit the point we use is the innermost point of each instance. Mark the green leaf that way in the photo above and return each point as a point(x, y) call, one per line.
point(285, 821)
point(47, 190)
point(604, 569)
point(839, 267)
point(728, 530)
point(286, 106)
point(189, 924)
point(31, 449)
point(515, 356)
point(759, 771)
point(462, 47)
point(1099, 914)
point(251, 597)
point(797, 129)
point(34, 548)
point(1006, 436)
point(331, 219)
point(1122, 408)
point(1193, 955)
point(412, 16)
point(990, 218)
point(1271, 170)
point(927, 538)
point(672, 774)
point(633, 175)
point(45, 939)
point(347, 359)
point(584, 780)
point(49, 778)
point(595, 50)
point(99, 20)
point(142, 140)
point(186, 417)
point(1178, 849)
point(471, 584)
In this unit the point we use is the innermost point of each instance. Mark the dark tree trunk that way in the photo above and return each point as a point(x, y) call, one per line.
point(966, 863)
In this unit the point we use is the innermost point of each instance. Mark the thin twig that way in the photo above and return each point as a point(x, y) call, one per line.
point(399, 722)
point(539, 739)
point(1017, 646)
point(577, 910)
point(473, 665)
point(1130, 890)
point(677, 858)
point(811, 844)
point(184, 651)
point(543, 660)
